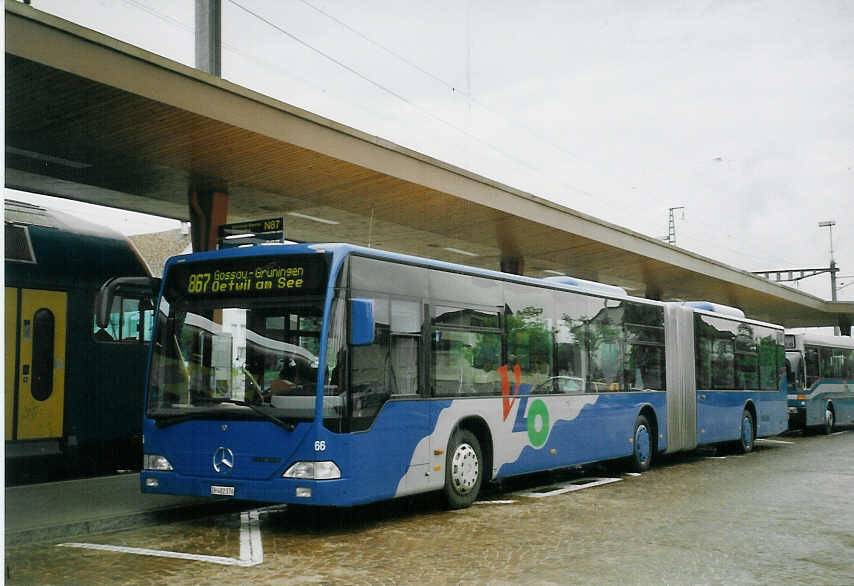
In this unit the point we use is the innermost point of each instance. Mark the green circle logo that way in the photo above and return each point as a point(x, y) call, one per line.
point(538, 434)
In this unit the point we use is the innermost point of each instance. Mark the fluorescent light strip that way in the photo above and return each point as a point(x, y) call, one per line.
point(458, 251)
point(312, 218)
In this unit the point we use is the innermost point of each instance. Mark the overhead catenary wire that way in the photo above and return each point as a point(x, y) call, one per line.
point(471, 99)
point(387, 90)
point(464, 93)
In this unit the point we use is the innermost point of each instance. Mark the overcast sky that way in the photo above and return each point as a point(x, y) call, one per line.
point(739, 111)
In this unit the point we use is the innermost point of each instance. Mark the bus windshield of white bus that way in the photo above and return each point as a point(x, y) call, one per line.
point(240, 338)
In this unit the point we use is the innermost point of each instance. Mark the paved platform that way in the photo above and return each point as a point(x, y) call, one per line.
point(58, 510)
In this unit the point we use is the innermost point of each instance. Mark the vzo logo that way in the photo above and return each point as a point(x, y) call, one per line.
point(537, 421)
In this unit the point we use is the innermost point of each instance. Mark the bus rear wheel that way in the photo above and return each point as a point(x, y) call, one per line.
point(463, 469)
point(746, 437)
point(643, 443)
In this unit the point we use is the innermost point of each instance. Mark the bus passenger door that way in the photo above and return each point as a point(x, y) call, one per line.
point(35, 363)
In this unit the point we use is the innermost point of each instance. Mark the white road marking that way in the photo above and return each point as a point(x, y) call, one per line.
point(251, 547)
point(773, 441)
point(564, 487)
point(158, 553)
point(494, 502)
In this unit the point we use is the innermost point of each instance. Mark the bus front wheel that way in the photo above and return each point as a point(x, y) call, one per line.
point(463, 469)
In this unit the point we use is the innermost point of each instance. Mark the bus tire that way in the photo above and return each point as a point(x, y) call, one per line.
point(746, 435)
point(643, 445)
point(463, 469)
point(829, 419)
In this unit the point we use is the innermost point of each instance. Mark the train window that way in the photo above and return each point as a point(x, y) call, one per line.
point(130, 322)
point(43, 336)
point(19, 248)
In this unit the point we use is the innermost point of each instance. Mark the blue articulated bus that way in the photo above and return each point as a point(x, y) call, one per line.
point(332, 374)
point(820, 371)
point(73, 392)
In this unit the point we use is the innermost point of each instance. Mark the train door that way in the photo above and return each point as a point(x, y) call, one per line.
point(35, 363)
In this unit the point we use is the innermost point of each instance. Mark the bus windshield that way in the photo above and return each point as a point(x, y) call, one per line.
point(236, 339)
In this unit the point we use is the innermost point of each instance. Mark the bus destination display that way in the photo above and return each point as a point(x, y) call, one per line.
point(252, 277)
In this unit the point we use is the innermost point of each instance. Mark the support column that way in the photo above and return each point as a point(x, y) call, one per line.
point(515, 265)
point(208, 211)
point(653, 292)
point(844, 323)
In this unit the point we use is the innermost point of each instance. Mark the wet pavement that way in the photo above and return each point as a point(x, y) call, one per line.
point(781, 515)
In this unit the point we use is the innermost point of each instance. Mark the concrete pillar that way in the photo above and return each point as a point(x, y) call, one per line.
point(515, 265)
point(844, 323)
point(208, 211)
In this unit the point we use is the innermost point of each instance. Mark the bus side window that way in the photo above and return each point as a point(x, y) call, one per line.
point(643, 328)
point(605, 346)
point(130, 322)
point(465, 352)
point(811, 360)
point(370, 368)
point(528, 324)
point(406, 318)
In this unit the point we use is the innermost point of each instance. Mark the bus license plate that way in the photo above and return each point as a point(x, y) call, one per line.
point(222, 490)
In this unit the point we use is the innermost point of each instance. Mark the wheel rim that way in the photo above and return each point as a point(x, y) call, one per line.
point(642, 445)
point(747, 431)
point(464, 469)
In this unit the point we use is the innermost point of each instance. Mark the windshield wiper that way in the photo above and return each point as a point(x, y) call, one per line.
point(285, 424)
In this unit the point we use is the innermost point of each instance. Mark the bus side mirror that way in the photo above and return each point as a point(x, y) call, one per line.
point(361, 322)
point(139, 287)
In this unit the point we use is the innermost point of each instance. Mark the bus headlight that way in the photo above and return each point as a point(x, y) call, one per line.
point(155, 462)
point(313, 471)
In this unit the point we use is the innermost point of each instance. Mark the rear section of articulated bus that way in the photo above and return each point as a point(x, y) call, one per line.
point(238, 369)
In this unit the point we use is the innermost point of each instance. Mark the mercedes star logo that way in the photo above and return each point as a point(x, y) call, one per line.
point(223, 460)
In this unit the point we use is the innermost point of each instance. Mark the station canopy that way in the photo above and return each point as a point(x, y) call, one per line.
point(96, 120)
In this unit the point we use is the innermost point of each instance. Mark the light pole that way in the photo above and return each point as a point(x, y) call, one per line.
point(829, 224)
